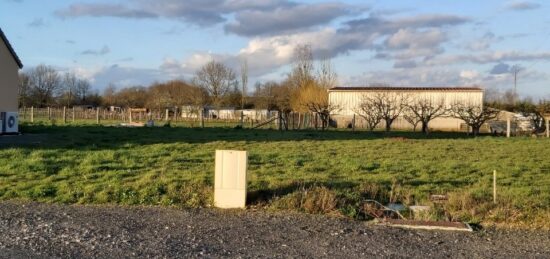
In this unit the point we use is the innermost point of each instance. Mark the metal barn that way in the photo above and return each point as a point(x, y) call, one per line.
point(349, 99)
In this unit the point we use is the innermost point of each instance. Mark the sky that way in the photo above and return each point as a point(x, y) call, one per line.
point(399, 43)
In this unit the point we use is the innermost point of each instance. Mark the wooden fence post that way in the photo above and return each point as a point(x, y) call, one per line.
point(548, 127)
point(73, 114)
point(166, 115)
point(495, 186)
point(64, 114)
point(97, 115)
point(32, 113)
point(508, 126)
point(201, 113)
point(49, 114)
point(242, 118)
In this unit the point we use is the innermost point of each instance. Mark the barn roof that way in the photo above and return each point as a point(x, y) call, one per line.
point(10, 48)
point(389, 88)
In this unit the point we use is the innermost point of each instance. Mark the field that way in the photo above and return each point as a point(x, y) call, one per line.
point(311, 171)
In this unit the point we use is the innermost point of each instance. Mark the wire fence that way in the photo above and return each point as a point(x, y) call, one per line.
point(249, 118)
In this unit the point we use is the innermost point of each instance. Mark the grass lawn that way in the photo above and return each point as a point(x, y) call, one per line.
point(311, 171)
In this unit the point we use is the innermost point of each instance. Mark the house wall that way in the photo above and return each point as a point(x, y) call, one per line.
point(9, 78)
point(349, 101)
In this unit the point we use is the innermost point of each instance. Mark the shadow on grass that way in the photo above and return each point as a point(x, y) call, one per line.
point(90, 136)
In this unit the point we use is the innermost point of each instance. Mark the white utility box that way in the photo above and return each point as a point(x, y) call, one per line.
point(230, 179)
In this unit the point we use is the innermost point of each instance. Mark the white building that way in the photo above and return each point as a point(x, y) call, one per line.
point(349, 99)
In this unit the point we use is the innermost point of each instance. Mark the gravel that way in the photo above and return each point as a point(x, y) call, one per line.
point(35, 230)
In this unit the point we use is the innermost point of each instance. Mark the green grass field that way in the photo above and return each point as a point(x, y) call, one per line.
point(311, 171)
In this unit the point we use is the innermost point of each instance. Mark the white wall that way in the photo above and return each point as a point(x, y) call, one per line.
point(349, 101)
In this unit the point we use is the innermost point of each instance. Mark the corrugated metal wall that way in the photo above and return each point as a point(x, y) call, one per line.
point(349, 101)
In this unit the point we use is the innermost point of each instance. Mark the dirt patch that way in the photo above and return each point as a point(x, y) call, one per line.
point(41, 230)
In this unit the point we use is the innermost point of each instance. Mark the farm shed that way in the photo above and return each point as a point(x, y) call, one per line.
point(9, 92)
point(349, 99)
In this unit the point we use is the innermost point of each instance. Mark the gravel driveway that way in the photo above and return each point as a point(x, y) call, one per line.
point(34, 230)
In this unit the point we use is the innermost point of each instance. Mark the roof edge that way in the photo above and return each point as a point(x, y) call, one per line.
point(10, 48)
point(389, 88)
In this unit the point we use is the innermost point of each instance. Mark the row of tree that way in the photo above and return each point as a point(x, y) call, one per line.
point(387, 107)
point(303, 90)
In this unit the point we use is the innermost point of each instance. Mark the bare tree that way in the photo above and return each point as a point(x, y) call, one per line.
point(368, 110)
point(390, 106)
point(425, 110)
point(244, 81)
point(473, 115)
point(302, 68)
point(216, 79)
point(24, 90)
point(316, 100)
point(45, 83)
point(83, 88)
point(109, 95)
point(326, 76)
point(69, 88)
point(411, 118)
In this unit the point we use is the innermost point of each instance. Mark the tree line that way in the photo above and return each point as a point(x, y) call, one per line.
point(303, 90)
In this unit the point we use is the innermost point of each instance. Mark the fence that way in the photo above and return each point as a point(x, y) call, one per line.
point(117, 116)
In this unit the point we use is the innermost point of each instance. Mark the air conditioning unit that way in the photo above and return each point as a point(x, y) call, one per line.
point(10, 122)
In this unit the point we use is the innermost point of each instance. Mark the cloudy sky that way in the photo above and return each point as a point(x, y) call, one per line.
point(402, 43)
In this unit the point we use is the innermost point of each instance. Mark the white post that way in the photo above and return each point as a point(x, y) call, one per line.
point(74, 113)
point(64, 114)
point(166, 115)
point(32, 113)
point(508, 126)
point(230, 179)
point(49, 114)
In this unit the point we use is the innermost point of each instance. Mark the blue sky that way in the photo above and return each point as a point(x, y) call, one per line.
point(402, 43)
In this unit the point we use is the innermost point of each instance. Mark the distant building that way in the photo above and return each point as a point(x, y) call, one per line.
point(9, 90)
point(349, 99)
